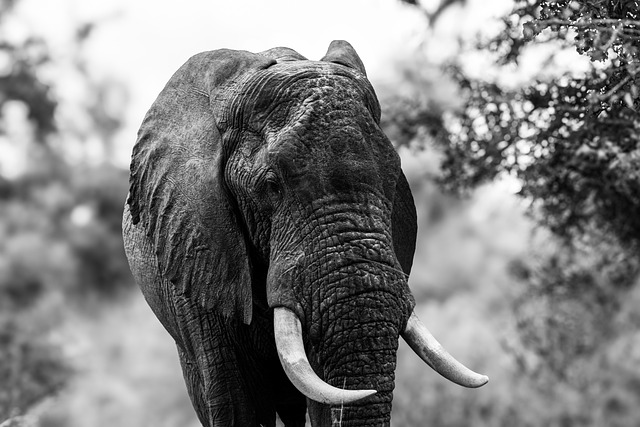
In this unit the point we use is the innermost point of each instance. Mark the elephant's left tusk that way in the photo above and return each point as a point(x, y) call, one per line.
point(431, 351)
point(288, 334)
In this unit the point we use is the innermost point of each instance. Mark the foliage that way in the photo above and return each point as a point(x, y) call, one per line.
point(31, 370)
point(19, 80)
point(32, 367)
point(570, 299)
point(60, 239)
point(52, 258)
point(572, 140)
point(554, 327)
point(576, 331)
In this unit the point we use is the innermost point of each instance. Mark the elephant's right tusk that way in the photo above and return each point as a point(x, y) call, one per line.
point(431, 351)
point(288, 334)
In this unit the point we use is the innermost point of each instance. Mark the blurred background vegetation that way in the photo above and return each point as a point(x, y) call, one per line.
point(521, 146)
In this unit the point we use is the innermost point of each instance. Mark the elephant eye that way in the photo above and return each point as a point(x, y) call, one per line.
point(273, 185)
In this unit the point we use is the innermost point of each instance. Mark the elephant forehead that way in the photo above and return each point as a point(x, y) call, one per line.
point(342, 160)
point(289, 72)
point(278, 97)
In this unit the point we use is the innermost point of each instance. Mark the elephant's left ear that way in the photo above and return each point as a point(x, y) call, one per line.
point(177, 193)
point(283, 54)
point(404, 224)
point(341, 52)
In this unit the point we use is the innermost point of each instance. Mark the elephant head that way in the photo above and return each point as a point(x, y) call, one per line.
point(272, 231)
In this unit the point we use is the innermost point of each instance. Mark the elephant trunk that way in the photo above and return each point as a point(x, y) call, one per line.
point(357, 350)
point(289, 342)
point(342, 354)
point(341, 400)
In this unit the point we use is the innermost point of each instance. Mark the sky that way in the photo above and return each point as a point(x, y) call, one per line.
point(142, 42)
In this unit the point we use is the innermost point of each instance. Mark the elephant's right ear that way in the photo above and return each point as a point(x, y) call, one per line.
point(177, 191)
point(341, 52)
point(404, 224)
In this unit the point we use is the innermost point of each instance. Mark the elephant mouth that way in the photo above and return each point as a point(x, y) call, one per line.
point(289, 343)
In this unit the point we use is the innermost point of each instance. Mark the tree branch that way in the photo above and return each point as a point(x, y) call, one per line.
point(591, 22)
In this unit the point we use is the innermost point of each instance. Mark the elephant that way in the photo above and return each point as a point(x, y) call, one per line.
point(272, 231)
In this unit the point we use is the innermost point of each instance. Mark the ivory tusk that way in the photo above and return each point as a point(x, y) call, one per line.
point(288, 334)
point(431, 351)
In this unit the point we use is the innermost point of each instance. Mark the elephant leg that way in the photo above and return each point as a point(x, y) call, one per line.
point(319, 414)
point(269, 388)
point(291, 405)
point(292, 415)
point(195, 386)
point(217, 401)
point(225, 374)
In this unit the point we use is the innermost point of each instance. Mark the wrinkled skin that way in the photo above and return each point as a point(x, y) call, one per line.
point(261, 181)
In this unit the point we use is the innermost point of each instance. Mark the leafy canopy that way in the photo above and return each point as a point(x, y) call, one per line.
point(572, 140)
